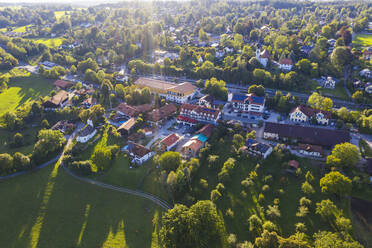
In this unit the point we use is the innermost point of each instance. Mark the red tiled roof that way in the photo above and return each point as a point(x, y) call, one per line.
point(294, 163)
point(200, 109)
point(161, 113)
point(127, 110)
point(206, 130)
point(186, 119)
point(170, 139)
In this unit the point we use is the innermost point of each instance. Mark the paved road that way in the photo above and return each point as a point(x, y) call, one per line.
point(142, 194)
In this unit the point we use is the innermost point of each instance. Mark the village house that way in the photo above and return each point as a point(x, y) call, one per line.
point(248, 103)
point(138, 153)
point(257, 149)
point(64, 126)
point(59, 100)
point(285, 64)
point(127, 126)
point(327, 82)
point(210, 102)
point(192, 146)
point(310, 150)
point(170, 142)
point(62, 84)
point(305, 114)
point(191, 114)
point(326, 138)
point(128, 111)
point(367, 73)
point(263, 57)
point(86, 133)
point(178, 93)
point(157, 116)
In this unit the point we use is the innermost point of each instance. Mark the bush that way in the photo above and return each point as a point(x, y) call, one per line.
point(83, 168)
point(269, 226)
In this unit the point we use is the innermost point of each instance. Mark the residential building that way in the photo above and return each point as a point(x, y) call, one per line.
point(170, 142)
point(86, 133)
point(59, 100)
point(327, 82)
point(285, 64)
point(327, 138)
point(367, 73)
point(367, 54)
point(129, 111)
point(138, 153)
point(210, 102)
point(62, 84)
point(127, 126)
point(191, 148)
point(191, 114)
point(257, 149)
point(178, 93)
point(64, 126)
point(248, 103)
point(305, 114)
point(263, 57)
point(156, 116)
point(310, 150)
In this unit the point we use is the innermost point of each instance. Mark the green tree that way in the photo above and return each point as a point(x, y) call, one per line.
point(267, 240)
point(170, 161)
point(197, 226)
point(324, 239)
point(203, 35)
point(259, 90)
point(49, 141)
point(6, 162)
point(340, 57)
point(216, 88)
point(336, 183)
point(344, 154)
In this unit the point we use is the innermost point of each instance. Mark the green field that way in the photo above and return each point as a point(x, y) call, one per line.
point(364, 40)
point(339, 91)
point(22, 90)
point(29, 135)
point(50, 42)
point(49, 208)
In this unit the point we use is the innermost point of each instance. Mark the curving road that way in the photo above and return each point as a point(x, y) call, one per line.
point(142, 194)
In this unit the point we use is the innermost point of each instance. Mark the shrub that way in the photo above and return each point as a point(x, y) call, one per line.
point(269, 226)
point(300, 227)
point(265, 188)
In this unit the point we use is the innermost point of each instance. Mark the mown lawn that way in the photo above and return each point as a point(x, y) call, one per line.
point(364, 40)
point(49, 208)
point(23, 89)
point(339, 91)
point(50, 42)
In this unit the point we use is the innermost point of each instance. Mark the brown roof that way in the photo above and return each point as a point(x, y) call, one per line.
point(294, 163)
point(161, 113)
point(59, 98)
point(138, 150)
point(312, 112)
point(310, 148)
point(143, 108)
point(128, 124)
point(170, 139)
point(207, 98)
point(154, 83)
point(184, 87)
point(285, 61)
point(309, 135)
point(200, 109)
point(206, 130)
point(127, 110)
point(63, 84)
point(194, 144)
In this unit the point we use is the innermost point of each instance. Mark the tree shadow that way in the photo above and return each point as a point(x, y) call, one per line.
point(52, 209)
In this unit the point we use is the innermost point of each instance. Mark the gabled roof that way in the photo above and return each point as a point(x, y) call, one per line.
point(63, 84)
point(170, 139)
point(59, 98)
point(251, 98)
point(310, 112)
point(143, 108)
point(137, 149)
point(310, 148)
point(183, 88)
point(257, 146)
point(207, 98)
point(128, 124)
point(200, 109)
point(154, 83)
point(161, 113)
point(206, 130)
point(309, 135)
point(193, 144)
point(127, 110)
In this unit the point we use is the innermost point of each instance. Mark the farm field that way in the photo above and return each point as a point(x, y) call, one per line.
point(22, 90)
point(364, 40)
point(49, 208)
point(60, 14)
